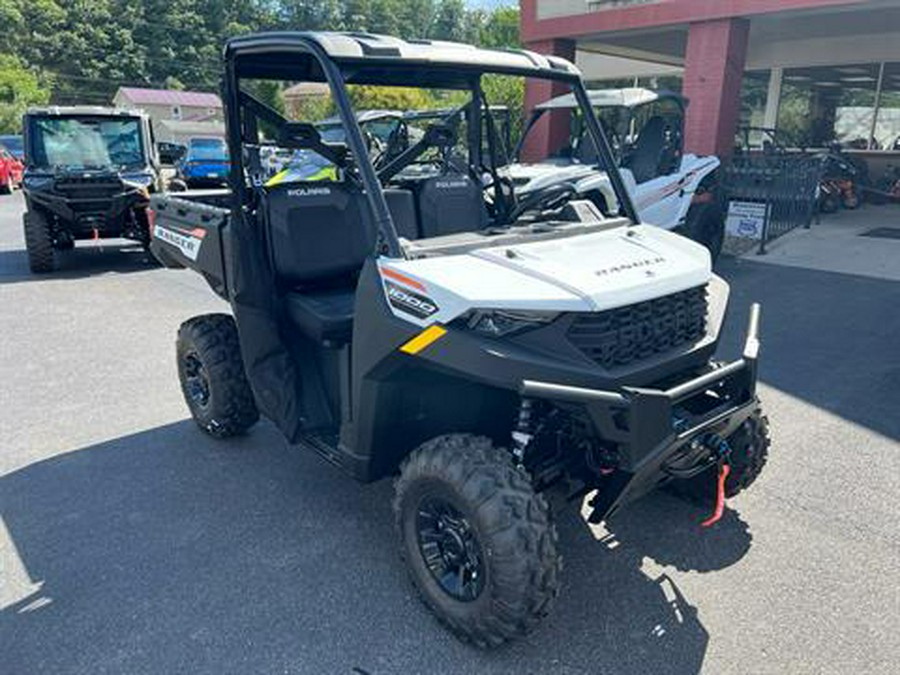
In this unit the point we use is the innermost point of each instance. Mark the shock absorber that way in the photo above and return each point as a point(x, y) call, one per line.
point(524, 429)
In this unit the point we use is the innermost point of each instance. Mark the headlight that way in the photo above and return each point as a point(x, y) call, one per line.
point(38, 182)
point(499, 323)
point(138, 180)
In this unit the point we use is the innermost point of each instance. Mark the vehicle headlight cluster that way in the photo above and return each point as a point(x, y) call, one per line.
point(500, 323)
point(38, 182)
point(138, 180)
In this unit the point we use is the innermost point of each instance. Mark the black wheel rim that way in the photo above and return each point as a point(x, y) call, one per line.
point(450, 549)
point(196, 381)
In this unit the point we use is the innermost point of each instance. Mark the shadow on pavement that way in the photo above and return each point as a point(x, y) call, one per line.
point(166, 551)
point(829, 339)
point(85, 260)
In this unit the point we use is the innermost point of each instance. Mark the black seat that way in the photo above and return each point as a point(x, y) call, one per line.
point(451, 203)
point(644, 160)
point(402, 206)
point(325, 315)
point(320, 234)
point(586, 152)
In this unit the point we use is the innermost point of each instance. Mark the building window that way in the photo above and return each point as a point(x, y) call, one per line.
point(887, 126)
point(824, 105)
point(176, 112)
point(754, 95)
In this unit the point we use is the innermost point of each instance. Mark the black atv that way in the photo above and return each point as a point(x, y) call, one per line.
point(89, 173)
point(412, 318)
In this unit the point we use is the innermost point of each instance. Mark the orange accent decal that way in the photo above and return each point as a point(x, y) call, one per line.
point(396, 276)
point(198, 232)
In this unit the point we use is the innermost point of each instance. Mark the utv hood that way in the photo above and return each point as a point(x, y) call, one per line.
point(583, 273)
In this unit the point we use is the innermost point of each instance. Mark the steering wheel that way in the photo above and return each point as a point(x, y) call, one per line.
point(500, 197)
point(545, 199)
point(395, 145)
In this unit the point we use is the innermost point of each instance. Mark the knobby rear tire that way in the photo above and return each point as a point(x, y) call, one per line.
point(210, 342)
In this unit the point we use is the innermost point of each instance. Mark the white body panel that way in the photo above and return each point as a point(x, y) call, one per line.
point(662, 201)
point(582, 273)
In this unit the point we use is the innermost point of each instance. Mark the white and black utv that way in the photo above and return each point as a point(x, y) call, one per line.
point(89, 172)
point(670, 188)
point(424, 324)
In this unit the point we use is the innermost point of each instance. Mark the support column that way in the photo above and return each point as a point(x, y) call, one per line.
point(773, 98)
point(552, 131)
point(714, 67)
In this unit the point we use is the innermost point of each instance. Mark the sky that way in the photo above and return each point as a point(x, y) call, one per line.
point(490, 4)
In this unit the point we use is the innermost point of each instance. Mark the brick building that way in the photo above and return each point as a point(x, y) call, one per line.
point(820, 70)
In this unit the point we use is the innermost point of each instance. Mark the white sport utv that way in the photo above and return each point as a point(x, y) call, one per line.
point(670, 188)
point(414, 319)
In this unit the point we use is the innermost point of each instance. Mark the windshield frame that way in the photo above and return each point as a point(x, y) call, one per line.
point(302, 58)
point(32, 131)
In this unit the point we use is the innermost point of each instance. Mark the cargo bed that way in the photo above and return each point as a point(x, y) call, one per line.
point(189, 230)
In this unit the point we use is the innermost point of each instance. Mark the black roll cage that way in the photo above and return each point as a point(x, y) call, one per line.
point(275, 56)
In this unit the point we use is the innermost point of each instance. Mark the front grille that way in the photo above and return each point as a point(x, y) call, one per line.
point(92, 195)
point(618, 337)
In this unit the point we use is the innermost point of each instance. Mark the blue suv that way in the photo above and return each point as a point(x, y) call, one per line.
point(205, 164)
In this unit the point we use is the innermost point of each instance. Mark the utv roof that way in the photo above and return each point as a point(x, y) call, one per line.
point(84, 110)
point(630, 97)
point(257, 56)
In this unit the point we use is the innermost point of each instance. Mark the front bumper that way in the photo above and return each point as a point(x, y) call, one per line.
point(82, 214)
point(661, 433)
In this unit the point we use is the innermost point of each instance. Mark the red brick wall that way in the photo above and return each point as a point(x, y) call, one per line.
point(655, 14)
point(552, 131)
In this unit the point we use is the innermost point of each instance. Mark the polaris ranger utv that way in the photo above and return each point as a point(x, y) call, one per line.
point(426, 324)
point(89, 172)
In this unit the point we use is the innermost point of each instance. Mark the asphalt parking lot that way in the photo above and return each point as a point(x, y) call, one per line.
point(132, 543)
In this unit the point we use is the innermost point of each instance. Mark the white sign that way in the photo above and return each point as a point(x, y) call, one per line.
point(746, 219)
point(187, 244)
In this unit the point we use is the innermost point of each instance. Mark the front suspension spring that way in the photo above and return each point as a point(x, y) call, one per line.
point(524, 429)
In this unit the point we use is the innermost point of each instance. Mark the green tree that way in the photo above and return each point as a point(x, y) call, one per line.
point(19, 88)
point(500, 28)
point(366, 97)
point(450, 21)
point(416, 18)
point(92, 47)
point(507, 91)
